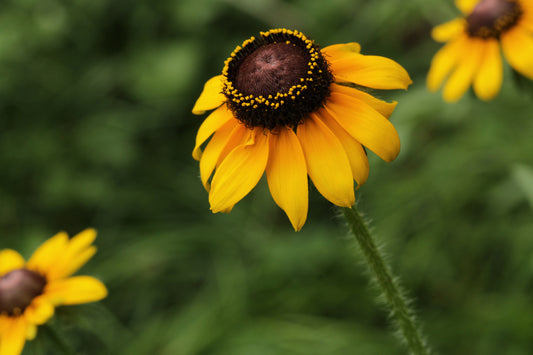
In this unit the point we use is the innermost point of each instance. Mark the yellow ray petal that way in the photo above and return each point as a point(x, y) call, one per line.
point(287, 176)
point(466, 6)
point(354, 150)
point(365, 124)
point(370, 71)
point(31, 332)
point(230, 132)
point(75, 290)
point(213, 122)
point(76, 254)
point(338, 51)
point(39, 311)
point(10, 260)
point(526, 19)
point(327, 163)
point(517, 45)
point(448, 30)
point(239, 172)
point(13, 335)
point(44, 258)
point(211, 97)
point(383, 107)
point(462, 77)
point(444, 61)
point(488, 79)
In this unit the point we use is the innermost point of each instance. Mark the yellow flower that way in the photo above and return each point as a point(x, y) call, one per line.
point(286, 107)
point(472, 53)
point(29, 291)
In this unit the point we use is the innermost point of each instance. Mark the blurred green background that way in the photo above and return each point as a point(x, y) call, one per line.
point(96, 131)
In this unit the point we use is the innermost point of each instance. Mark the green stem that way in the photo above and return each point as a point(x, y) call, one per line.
point(58, 340)
point(382, 274)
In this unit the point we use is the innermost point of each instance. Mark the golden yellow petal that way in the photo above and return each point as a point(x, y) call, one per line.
point(287, 176)
point(448, 30)
point(365, 124)
point(466, 6)
point(44, 258)
point(239, 172)
point(338, 51)
point(31, 332)
point(13, 335)
point(226, 134)
point(383, 107)
point(517, 45)
point(488, 79)
point(526, 19)
point(463, 75)
point(444, 61)
point(10, 260)
point(327, 163)
point(211, 97)
point(211, 124)
point(370, 71)
point(354, 150)
point(39, 311)
point(75, 290)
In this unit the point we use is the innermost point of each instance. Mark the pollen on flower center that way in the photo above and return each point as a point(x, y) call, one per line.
point(490, 18)
point(18, 288)
point(276, 80)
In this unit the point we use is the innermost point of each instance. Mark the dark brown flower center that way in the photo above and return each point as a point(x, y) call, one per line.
point(272, 68)
point(276, 80)
point(491, 18)
point(18, 288)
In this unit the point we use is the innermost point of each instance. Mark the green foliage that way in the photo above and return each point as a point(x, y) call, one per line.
point(96, 130)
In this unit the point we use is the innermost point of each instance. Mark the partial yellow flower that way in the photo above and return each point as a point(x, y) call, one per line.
point(284, 106)
point(472, 54)
point(29, 291)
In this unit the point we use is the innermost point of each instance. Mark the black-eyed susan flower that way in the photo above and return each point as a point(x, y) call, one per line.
point(474, 42)
point(286, 107)
point(29, 291)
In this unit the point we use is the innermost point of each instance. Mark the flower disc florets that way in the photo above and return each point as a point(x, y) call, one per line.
point(18, 288)
point(276, 80)
point(491, 18)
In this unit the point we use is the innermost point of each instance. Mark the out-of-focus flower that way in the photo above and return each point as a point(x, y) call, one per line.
point(29, 291)
point(472, 55)
point(286, 107)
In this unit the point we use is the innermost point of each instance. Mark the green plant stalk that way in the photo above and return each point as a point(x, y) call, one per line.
point(393, 296)
point(57, 339)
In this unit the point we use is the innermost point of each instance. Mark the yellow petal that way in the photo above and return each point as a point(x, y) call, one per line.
point(211, 97)
point(327, 162)
point(13, 335)
point(466, 6)
point(76, 254)
point(287, 176)
point(45, 257)
point(383, 107)
point(338, 51)
point(223, 141)
point(517, 45)
point(526, 19)
point(39, 311)
point(213, 122)
point(463, 75)
point(448, 30)
point(31, 332)
point(365, 124)
point(239, 172)
point(9, 261)
point(370, 71)
point(444, 61)
point(75, 290)
point(354, 150)
point(489, 77)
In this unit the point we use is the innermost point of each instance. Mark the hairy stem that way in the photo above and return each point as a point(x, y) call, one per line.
point(393, 296)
